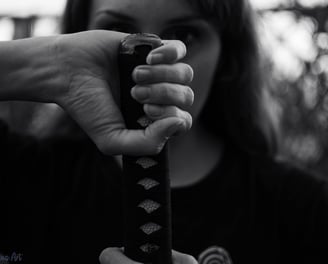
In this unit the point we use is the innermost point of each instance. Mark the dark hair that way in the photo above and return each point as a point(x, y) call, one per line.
point(235, 108)
point(238, 95)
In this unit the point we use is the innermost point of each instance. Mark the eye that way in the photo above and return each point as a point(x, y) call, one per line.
point(125, 28)
point(116, 26)
point(186, 34)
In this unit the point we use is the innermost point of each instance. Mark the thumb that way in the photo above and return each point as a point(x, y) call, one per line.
point(143, 142)
point(157, 133)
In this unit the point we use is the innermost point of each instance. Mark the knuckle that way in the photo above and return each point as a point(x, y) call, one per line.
point(104, 257)
point(167, 92)
point(165, 74)
point(176, 111)
point(172, 111)
point(190, 260)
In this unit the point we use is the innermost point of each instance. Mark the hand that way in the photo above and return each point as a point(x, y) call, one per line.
point(116, 256)
point(88, 63)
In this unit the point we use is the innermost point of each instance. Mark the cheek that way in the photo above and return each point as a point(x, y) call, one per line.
point(204, 64)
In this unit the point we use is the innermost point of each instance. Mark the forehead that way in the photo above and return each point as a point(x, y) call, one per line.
point(144, 8)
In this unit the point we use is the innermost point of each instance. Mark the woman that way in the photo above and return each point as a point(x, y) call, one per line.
point(228, 194)
point(232, 142)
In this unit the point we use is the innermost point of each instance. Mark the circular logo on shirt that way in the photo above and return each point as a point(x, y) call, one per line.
point(214, 255)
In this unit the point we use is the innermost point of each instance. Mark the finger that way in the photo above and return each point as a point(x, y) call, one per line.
point(94, 109)
point(149, 141)
point(181, 258)
point(114, 256)
point(164, 94)
point(157, 112)
point(170, 52)
point(180, 73)
point(161, 130)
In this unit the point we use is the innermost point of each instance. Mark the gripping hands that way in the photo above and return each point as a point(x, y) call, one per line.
point(88, 62)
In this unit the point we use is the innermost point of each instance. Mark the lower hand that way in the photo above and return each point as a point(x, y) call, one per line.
point(116, 256)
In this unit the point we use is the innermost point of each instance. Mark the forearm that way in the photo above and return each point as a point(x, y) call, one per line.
point(28, 69)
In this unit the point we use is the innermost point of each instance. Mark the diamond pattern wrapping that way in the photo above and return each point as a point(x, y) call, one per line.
point(150, 228)
point(144, 121)
point(149, 206)
point(149, 248)
point(146, 163)
point(148, 183)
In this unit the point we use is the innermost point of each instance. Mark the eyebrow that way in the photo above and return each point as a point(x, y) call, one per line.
point(125, 17)
point(117, 15)
point(183, 19)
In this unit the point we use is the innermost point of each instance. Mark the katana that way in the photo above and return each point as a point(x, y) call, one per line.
point(147, 201)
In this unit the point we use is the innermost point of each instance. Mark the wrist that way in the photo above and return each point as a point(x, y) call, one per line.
point(28, 69)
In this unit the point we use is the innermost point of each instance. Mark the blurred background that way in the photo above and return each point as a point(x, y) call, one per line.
point(294, 34)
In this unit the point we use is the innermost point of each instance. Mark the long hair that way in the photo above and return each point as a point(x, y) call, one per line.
point(237, 106)
point(235, 109)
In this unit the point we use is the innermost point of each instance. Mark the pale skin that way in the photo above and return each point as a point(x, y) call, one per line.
point(79, 73)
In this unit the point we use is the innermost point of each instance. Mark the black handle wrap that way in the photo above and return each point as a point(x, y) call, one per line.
point(146, 179)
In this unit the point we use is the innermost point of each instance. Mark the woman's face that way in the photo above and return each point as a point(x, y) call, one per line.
point(169, 20)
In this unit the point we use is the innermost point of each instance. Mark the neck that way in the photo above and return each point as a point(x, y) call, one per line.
point(193, 156)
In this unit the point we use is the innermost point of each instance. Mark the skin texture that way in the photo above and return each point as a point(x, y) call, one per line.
point(82, 78)
point(93, 83)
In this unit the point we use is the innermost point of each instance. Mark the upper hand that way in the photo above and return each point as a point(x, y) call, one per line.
point(88, 61)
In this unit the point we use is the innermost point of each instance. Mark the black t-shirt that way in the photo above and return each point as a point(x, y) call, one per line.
point(61, 202)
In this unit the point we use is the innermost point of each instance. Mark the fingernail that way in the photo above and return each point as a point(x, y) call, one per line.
point(140, 93)
point(155, 58)
point(141, 75)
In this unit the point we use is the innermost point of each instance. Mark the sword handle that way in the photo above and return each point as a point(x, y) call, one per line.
point(147, 200)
